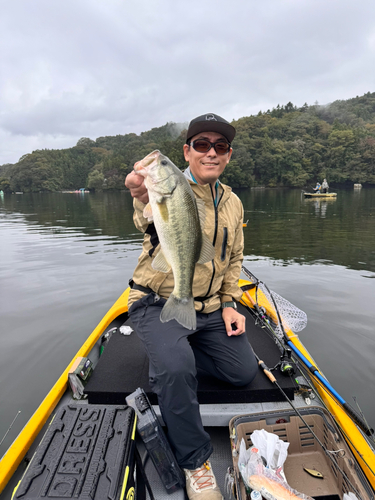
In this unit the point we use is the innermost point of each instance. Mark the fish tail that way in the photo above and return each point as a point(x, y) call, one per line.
point(182, 310)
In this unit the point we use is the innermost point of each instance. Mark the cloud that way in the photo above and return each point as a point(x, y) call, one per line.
point(92, 68)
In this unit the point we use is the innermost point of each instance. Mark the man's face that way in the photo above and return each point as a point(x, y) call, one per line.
point(206, 167)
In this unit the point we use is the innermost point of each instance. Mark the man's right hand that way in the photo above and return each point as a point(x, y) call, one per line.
point(135, 184)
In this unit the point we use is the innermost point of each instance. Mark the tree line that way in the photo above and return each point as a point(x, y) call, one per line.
point(283, 147)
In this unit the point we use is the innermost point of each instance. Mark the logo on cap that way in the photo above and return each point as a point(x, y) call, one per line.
point(211, 118)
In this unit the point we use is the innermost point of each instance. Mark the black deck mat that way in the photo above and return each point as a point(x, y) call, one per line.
point(123, 367)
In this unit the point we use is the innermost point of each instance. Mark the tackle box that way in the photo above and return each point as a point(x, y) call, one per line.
point(155, 442)
point(87, 452)
point(304, 452)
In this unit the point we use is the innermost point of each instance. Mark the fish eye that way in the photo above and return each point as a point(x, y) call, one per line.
point(164, 162)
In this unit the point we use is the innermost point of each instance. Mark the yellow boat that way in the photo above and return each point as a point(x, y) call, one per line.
point(325, 434)
point(319, 195)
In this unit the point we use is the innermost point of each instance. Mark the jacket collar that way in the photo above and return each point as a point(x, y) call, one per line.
point(204, 191)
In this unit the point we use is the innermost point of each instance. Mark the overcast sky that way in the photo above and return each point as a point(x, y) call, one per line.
point(90, 68)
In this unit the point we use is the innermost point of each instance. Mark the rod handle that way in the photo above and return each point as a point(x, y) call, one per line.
point(251, 300)
point(266, 370)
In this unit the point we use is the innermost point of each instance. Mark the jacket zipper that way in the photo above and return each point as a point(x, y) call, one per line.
point(224, 244)
point(215, 236)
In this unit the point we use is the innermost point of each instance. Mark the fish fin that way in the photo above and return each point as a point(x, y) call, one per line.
point(163, 210)
point(182, 310)
point(201, 206)
point(163, 197)
point(147, 213)
point(207, 251)
point(160, 263)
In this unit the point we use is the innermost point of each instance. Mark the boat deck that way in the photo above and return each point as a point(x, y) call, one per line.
point(123, 367)
point(219, 403)
point(216, 420)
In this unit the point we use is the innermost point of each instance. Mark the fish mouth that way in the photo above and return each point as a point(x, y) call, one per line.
point(147, 160)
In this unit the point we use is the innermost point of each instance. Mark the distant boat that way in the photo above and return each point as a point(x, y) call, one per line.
point(319, 195)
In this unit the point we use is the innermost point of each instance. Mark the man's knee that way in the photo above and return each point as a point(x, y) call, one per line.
point(245, 375)
point(175, 369)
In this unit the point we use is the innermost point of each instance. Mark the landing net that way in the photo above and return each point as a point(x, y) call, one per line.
point(292, 318)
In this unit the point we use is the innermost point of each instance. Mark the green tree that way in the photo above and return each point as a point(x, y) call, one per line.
point(287, 146)
point(95, 180)
point(4, 185)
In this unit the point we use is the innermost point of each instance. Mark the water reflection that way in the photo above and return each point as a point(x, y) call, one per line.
point(67, 257)
point(320, 206)
point(283, 225)
point(105, 219)
point(286, 227)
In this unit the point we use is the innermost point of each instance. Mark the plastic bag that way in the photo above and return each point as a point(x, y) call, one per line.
point(271, 447)
point(263, 479)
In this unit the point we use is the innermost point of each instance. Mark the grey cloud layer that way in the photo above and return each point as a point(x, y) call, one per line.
point(93, 68)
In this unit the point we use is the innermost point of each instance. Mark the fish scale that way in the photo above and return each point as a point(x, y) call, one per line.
point(179, 238)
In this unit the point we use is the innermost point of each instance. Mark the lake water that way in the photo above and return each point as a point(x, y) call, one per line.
point(66, 258)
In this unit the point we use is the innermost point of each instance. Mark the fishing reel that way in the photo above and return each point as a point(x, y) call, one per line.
point(286, 365)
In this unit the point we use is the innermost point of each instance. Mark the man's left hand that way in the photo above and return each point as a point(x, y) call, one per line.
point(234, 321)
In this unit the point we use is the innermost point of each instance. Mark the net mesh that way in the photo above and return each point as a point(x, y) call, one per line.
point(292, 318)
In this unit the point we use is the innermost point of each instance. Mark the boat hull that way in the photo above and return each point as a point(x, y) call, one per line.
point(320, 195)
point(31, 434)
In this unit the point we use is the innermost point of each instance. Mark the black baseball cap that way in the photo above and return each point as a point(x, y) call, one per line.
point(210, 123)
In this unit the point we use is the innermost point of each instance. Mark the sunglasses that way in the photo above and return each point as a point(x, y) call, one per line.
point(203, 146)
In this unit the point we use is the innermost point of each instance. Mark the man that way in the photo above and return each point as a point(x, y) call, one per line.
point(325, 186)
point(317, 187)
point(217, 345)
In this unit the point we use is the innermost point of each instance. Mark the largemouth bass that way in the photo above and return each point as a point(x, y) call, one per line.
point(177, 216)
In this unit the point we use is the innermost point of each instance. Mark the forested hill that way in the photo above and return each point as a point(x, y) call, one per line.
point(285, 146)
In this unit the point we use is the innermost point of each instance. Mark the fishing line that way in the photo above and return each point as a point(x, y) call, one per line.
point(268, 327)
point(330, 453)
point(349, 410)
point(317, 375)
point(9, 428)
point(369, 439)
point(305, 373)
point(363, 416)
point(272, 379)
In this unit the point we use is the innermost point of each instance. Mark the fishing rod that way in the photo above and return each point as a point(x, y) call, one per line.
point(260, 313)
point(352, 413)
point(301, 368)
point(272, 378)
point(313, 369)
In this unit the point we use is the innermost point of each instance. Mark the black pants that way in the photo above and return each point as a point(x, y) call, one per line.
point(174, 353)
